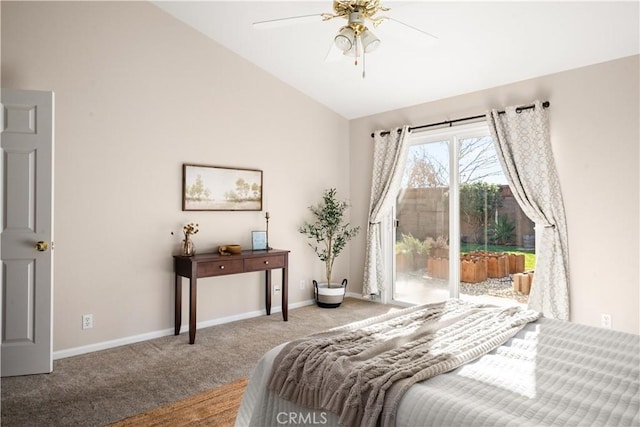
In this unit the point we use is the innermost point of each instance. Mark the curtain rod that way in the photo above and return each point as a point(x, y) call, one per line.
point(545, 104)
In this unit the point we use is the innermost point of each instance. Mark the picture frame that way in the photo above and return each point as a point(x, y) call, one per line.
point(259, 240)
point(221, 188)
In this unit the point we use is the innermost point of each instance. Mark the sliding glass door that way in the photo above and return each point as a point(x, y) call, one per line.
point(456, 220)
point(422, 226)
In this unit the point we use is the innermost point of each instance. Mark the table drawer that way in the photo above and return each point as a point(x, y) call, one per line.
point(219, 268)
point(264, 263)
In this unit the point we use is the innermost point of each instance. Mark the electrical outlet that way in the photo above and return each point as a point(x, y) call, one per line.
point(302, 284)
point(87, 321)
point(605, 321)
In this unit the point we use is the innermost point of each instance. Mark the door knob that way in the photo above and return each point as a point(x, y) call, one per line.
point(42, 246)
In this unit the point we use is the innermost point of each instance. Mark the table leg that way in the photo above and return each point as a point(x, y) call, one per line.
point(178, 309)
point(192, 310)
point(267, 291)
point(285, 294)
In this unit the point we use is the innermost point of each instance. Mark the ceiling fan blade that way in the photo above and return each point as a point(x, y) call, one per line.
point(280, 22)
point(388, 18)
point(334, 53)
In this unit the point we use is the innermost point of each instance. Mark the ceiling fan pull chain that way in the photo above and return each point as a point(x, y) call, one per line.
point(355, 50)
point(363, 63)
point(356, 53)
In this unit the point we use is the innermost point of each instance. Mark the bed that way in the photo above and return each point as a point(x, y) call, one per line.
point(547, 373)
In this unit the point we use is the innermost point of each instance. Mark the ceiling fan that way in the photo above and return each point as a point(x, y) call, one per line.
point(354, 39)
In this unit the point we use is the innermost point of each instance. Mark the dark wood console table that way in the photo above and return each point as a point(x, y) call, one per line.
point(213, 264)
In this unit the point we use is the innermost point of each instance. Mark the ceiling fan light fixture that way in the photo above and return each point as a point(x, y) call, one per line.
point(343, 40)
point(356, 48)
point(369, 41)
point(353, 39)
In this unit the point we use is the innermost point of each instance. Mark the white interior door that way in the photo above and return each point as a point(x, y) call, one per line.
point(27, 231)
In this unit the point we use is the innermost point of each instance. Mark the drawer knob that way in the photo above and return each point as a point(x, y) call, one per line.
point(222, 267)
point(266, 262)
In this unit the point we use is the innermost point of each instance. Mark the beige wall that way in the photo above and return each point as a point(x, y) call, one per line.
point(594, 118)
point(138, 94)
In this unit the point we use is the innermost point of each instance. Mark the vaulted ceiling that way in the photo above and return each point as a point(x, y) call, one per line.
point(479, 45)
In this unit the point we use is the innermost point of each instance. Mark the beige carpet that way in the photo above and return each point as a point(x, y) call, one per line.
point(217, 407)
point(104, 387)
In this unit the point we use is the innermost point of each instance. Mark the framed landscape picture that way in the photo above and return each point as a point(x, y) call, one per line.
point(220, 188)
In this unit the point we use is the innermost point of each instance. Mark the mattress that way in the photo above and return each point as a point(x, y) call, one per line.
point(551, 373)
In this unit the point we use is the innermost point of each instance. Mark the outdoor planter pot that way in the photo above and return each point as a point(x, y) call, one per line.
point(497, 266)
point(473, 270)
point(404, 262)
point(419, 261)
point(438, 268)
point(522, 282)
point(516, 263)
point(476, 267)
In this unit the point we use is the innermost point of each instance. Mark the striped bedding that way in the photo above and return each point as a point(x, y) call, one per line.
point(551, 373)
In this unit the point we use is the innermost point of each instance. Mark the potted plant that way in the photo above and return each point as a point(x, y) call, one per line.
point(328, 236)
point(414, 251)
point(438, 261)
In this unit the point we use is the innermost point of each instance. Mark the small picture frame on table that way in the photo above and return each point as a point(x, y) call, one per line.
point(259, 240)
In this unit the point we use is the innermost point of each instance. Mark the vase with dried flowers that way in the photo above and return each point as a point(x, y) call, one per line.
point(188, 248)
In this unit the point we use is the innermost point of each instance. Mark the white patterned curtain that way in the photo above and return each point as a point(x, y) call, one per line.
point(524, 148)
point(389, 159)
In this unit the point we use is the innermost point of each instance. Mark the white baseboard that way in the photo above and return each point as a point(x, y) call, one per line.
point(76, 351)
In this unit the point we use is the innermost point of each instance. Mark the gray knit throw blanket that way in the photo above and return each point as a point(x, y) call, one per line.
point(360, 371)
